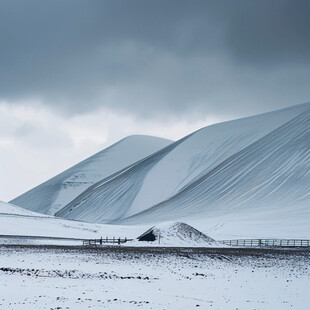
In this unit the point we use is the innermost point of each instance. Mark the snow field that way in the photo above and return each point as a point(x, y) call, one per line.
point(33, 278)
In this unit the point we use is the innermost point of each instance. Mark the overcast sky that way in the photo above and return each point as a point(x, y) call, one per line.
point(76, 76)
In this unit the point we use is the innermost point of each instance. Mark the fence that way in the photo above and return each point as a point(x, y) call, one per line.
point(267, 242)
point(106, 240)
point(235, 242)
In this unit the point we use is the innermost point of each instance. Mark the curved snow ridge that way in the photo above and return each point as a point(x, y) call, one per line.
point(54, 194)
point(109, 199)
point(273, 172)
point(198, 155)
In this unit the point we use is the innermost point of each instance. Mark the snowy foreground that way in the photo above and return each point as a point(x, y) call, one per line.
point(152, 278)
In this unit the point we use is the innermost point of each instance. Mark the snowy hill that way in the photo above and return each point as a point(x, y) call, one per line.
point(55, 193)
point(175, 234)
point(239, 169)
point(273, 172)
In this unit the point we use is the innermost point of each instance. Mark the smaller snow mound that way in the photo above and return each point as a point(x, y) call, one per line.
point(10, 209)
point(176, 234)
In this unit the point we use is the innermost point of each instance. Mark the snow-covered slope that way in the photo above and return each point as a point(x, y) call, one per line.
point(238, 166)
point(10, 209)
point(273, 172)
point(55, 193)
point(16, 221)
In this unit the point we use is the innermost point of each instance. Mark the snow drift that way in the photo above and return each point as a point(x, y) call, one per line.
point(176, 234)
point(16, 221)
point(10, 209)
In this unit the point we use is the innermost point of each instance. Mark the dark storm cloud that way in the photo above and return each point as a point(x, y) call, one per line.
point(153, 57)
point(271, 32)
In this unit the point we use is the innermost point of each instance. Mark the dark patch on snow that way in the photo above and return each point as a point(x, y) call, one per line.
point(148, 235)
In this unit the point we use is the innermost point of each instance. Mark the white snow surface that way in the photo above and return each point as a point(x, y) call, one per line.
point(253, 170)
point(54, 194)
point(29, 228)
point(16, 221)
point(10, 209)
point(45, 279)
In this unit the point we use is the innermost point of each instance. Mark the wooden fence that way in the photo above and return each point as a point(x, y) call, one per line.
point(235, 242)
point(267, 242)
point(106, 240)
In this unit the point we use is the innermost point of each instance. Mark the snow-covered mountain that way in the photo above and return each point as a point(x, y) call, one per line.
point(255, 165)
point(54, 194)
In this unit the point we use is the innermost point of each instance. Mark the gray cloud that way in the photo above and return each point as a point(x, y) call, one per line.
point(271, 32)
point(151, 58)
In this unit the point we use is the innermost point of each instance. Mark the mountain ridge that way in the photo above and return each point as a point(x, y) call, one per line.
point(254, 147)
point(53, 194)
